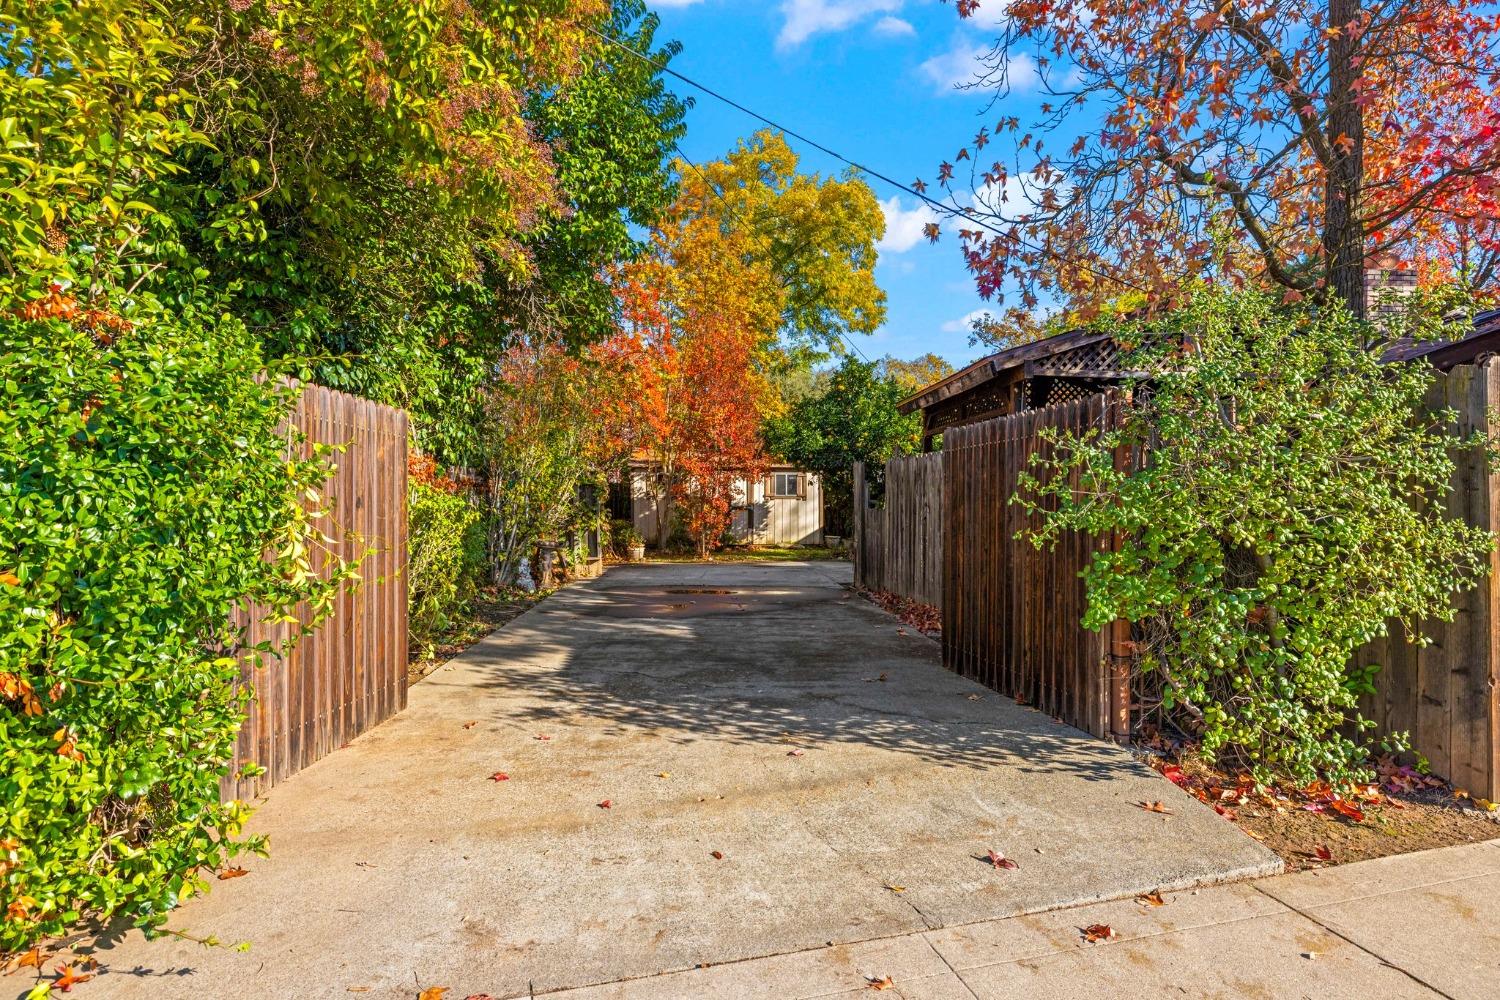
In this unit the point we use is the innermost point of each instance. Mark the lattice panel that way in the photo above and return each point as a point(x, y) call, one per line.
point(1067, 392)
point(1103, 355)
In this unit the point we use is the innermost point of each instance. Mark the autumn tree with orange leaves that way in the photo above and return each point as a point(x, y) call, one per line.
point(697, 313)
point(1270, 141)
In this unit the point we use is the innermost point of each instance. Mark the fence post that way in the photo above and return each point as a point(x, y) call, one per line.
point(858, 514)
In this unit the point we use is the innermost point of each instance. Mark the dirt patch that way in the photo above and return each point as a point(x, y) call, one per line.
point(1315, 827)
point(491, 609)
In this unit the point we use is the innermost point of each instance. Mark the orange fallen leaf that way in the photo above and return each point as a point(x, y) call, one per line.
point(1347, 809)
point(32, 958)
point(499, 776)
point(470, 725)
point(67, 978)
point(1322, 853)
point(605, 804)
point(235, 872)
point(433, 993)
point(1152, 898)
point(879, 983)
point(1097, 932)
point(1155, 807)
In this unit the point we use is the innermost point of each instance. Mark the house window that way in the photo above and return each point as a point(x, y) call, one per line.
point(786, 484)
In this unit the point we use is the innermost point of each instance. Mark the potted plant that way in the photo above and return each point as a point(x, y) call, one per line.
point(628, 540)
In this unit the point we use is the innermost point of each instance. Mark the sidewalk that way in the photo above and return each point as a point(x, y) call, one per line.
point(1415, 925)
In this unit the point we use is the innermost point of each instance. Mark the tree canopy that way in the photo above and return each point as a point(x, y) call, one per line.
point(1301, 134)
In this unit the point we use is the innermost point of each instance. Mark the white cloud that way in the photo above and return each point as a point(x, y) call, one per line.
point(805, 18)
point(903, 226)
point(967, 62)
point(893, 27)
point(965, 323)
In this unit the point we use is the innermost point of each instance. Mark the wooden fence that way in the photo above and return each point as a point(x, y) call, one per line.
point(1011, 612)
point(349, 675)
point(1447, 694)
point(899, 547)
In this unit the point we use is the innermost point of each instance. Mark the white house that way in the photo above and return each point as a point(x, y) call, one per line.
point(784, 507)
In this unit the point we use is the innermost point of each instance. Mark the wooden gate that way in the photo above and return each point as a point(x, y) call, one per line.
point(1011, 612)
point(349, 675)
point(899, 547)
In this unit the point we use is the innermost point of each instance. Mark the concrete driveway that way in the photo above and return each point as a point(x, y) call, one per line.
point(785, 767)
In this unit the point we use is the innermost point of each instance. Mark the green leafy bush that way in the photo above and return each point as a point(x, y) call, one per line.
point(146, 489)
point(446, 557)
point(623, 535)
point(1288, 508)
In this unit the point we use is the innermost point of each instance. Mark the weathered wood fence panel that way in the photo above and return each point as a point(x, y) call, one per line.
point(899, 547)
point(1447, 694)
point(349, 675)
point(1011, 612)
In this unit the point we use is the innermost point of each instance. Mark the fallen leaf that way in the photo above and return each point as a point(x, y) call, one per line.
point(1347, 809)
point(879, 984)
point(1001, 861)
point(901, 631)
point(479, 996)
point(229, 873)
point(881, 677)
point(895, 888)
point(795, 753)
point(67, 978)
point(1155, 807)
point(974, 697)
point(499, 776)
point(1097, 932)
point(663, 774)
point(470, 725)
point(540, 736)
point(1152, 898)
point(605, 804)
point(716, 855)
point(1322, 853)
point(433, 993)
point(32, 958)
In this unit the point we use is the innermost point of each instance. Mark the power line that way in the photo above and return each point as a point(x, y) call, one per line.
point(919, 195)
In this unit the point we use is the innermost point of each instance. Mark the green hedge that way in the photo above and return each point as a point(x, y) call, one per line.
point(445, 560)
point(145, 490)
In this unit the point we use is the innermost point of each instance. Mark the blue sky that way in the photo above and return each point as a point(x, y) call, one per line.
point(873, 79)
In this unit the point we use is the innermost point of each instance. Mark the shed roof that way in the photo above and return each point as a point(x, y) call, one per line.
point(998, 363)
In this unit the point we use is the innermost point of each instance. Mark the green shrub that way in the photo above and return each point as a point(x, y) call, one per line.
point(446, 557)
point(145, 491)
point(1288, 509)
point(623, 535)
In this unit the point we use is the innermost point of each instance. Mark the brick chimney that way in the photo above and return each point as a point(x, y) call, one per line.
point(1387, 281)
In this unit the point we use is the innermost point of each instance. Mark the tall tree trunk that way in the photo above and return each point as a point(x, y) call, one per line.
point(1343, 216)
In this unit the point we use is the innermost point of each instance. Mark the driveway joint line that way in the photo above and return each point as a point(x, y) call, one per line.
point(1309, 915)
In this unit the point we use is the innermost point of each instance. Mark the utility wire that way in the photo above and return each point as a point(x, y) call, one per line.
point(734, 214)
point(922, 196)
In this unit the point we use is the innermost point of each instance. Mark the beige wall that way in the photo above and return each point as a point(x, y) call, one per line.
point(776, 520)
